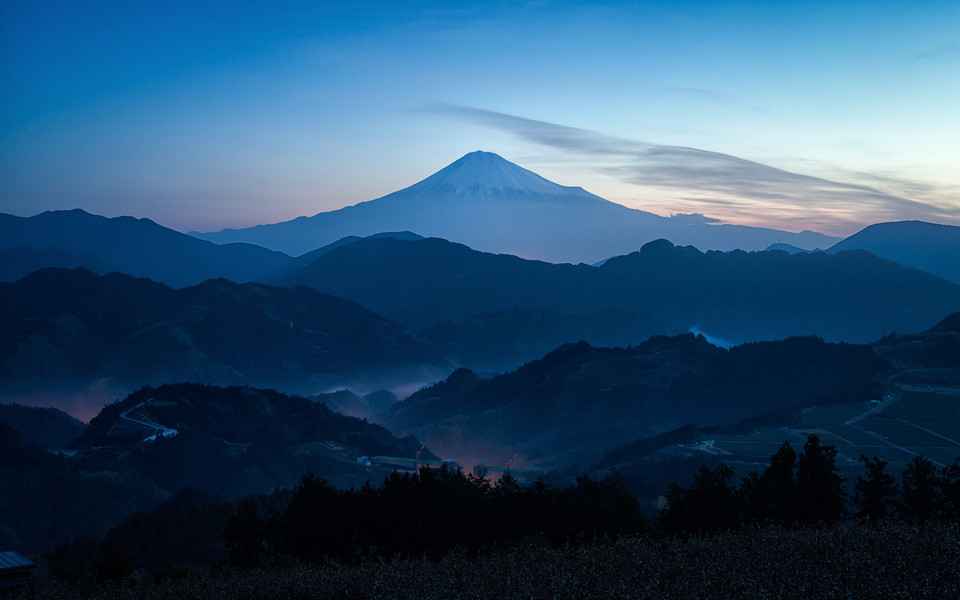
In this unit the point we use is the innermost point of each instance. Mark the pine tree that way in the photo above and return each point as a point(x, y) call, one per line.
point(772, 495)
point(821, 496)
point(950, 482)
point(921, 498)
point(710, 504)
point(876, 491)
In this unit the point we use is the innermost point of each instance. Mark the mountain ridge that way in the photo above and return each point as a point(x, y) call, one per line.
point(933, 247)
point(464, 299)
point(73, 328)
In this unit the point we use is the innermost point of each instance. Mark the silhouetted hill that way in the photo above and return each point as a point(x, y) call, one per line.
point(235, 440)
point(928, 246)
point(74, 327)
point(912, 412)
point(497, 206)
point(580, 400)
point(305, 260)
point(930, 357)
point(139, 451)
point(489, 309)
point(852, 296)
point(42, 427)
point(137, 247)
point(18, 262)
point(951, 323)
point(369, 406)
point(430, 280)
point(789, 249)
point(48, 499)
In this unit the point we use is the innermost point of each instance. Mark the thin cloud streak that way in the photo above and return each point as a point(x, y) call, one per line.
point(719, 184)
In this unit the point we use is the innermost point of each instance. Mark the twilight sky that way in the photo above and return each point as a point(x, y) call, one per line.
point(799, 115)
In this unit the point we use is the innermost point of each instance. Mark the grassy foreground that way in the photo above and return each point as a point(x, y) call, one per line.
point(848, 562)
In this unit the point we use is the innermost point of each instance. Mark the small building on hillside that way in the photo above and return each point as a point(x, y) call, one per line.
point(16, 571)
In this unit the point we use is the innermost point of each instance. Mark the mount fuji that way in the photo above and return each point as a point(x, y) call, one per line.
point(494, 205)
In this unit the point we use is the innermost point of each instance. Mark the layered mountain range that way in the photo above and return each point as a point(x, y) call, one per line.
point(580, 400)
point(492, 310)
point(72, 328)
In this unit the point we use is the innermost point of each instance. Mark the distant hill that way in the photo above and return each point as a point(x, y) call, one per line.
point(305, 259)
point(137, 247)
point(487, 307)
point(789, 249)
point(929, 246)
point(20, 261)
point(849, 296)
point(72, 327)
point(140, 451)
point(235, 440)
point(369, 406)
point(42, 427)
point(579, 400)
point(494, 205)
point(951, 323)
point(914, 412)
point(48, 499)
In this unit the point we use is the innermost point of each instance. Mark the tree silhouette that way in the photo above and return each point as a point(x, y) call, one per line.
point(772, 495)
point(821, 496)
point(876, 491)
point(950, 484)
point(710, 504)
point(921, 497)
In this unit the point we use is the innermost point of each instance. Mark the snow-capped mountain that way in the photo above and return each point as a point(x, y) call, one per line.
point(494, 205)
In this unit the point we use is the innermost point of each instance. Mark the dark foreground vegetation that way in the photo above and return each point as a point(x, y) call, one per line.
point(846, 562)
point(789, 531)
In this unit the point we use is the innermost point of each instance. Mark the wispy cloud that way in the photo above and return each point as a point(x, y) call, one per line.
point(721, 184)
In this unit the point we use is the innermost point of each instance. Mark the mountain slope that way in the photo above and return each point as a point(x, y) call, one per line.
point(483, 306)
point(581, 400)
point(42, 427)
point(137, 247)
point(234, 440)
point(141, 450)
point(71, 327)
point(929, 246)
point(494, 205)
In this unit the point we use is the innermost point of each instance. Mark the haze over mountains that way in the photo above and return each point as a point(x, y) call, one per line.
point(493, 205)
point(580, 400)
point(70, 329)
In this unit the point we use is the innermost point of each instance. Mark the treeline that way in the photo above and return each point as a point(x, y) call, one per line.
point(425, 515)
point(434, 513)
point(808, 490)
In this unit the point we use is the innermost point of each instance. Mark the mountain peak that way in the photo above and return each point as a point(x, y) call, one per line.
point(487, 170)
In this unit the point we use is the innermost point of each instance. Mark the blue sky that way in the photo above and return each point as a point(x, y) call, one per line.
point(822, 115)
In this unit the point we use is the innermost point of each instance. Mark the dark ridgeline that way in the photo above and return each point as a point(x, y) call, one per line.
point(44, 427)
point(128, 245)
point(933, 247)
point(225, 442)
point(497, 310)
point(71, 327)
point(579, 401)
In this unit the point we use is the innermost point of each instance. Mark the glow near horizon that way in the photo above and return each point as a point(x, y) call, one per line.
point(234, 118)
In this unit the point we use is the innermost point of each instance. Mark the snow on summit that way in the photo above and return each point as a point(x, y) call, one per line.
point(491, 171)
